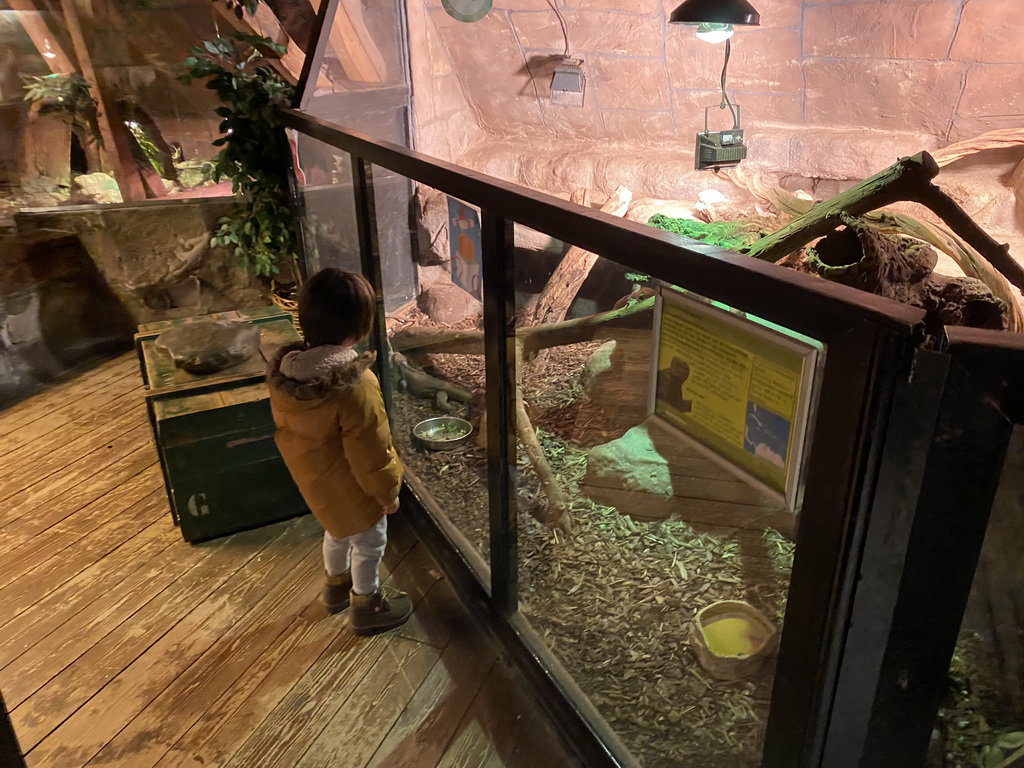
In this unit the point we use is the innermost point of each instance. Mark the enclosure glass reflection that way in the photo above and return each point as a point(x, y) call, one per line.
point(436, 363)
point(627, 529)
point(981, 722)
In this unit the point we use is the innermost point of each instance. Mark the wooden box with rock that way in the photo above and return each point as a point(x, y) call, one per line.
point(215, 434)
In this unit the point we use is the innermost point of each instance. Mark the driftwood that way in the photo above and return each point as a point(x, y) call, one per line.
point(907, 180)
point(534, 338)
point(1001, 139)
point(902, 269)
point(558, 506)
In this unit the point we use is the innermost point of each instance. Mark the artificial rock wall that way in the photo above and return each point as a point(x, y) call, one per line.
point(832, 89)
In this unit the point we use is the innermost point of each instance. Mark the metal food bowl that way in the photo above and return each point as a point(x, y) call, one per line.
point(443, 432)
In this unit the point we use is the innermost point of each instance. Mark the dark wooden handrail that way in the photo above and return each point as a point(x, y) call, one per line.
point(803, 303)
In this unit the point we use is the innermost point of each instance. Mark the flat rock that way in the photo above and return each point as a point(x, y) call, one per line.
point(211, 345)
point(632, 463)
point(447, 303)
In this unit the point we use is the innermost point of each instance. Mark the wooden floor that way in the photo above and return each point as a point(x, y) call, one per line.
point(121, 645)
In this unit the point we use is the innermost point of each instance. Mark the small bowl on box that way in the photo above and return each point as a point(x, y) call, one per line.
point(442, 433)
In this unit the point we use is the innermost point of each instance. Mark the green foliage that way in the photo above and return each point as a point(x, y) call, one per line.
point(255, 154)
point(67, 96)
point(731, 235)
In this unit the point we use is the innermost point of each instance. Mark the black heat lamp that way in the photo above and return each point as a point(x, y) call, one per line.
point(721, 13)
point(714, 20)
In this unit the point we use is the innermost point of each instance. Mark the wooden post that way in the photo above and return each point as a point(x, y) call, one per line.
point(116, 147)
point(45, 42)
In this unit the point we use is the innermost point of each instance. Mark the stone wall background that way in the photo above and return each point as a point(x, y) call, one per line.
point(830, 89)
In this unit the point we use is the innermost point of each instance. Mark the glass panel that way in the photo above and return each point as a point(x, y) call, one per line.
point(981, 722)
point(362, 82)
point(332, 237)
point(639, 530)
point(325, 179)
point(437, 378)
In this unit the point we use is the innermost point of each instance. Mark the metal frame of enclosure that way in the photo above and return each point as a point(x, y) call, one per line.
point(872, 615)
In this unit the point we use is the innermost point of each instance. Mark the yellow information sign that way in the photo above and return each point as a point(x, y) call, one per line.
point(738, 387)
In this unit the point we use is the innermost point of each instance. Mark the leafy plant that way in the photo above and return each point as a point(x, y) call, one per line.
point(255, 154)
point(67, 96)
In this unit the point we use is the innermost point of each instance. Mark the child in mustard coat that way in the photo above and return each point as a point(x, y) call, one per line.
point(334, 437)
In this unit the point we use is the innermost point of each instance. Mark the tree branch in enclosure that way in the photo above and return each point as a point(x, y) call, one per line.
point(534, 338)
point(570, 274)
point(908, 180)
point(558, 507)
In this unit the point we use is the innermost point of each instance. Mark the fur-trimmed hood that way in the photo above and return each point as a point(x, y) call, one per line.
point(315, 373)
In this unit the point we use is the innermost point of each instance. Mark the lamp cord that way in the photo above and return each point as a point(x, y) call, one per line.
point(561, 21)
point(725, 96)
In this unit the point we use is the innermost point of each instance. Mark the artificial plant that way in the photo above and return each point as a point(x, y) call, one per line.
point(255, 153)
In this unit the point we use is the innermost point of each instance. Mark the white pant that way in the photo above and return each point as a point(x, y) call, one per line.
point(361, 554)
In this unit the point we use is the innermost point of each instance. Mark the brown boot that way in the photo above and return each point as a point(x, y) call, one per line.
point(336, 591)
point(378, 612)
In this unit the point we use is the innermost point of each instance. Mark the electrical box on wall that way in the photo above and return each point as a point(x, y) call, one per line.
point(569, 83)
point(720, 149)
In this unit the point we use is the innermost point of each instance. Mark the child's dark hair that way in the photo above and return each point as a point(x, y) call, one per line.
point(336, 306)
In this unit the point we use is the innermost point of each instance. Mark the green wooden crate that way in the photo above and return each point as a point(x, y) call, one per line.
point(215, 439)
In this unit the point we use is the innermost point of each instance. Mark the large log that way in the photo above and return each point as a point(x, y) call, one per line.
point(572, 271)
point(902, 269)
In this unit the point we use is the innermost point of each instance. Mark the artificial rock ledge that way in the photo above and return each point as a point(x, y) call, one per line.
point(156, 256)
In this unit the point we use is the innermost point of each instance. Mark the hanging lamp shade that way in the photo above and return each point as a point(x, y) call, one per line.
point(738, 12)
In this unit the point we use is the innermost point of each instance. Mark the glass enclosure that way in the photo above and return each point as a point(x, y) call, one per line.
point(982, 715)
point(640, 529)
point(683, 606)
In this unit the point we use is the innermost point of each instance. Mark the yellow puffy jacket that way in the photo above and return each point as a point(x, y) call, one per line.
point(333, 434)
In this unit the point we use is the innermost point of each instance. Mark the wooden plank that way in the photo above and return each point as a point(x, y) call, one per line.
point(488, 734)
point(149, 736)
point(121, 646)
point(52, 454)
point(66, 533)
point(312, 703)
point(51, 573)
point(224, 728)
point(67, 417)
point(539, 746)
point(49, 47)
point(62, 394)
point(350, 738)
point(62, 647)
point(423, 731)
point(100, 719)
point(94, 583)
point(79, 484)
point(437, 617)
